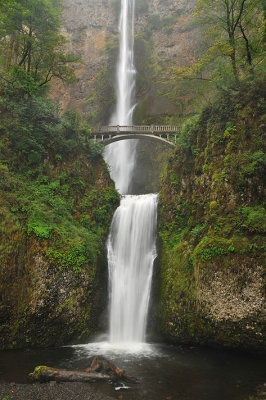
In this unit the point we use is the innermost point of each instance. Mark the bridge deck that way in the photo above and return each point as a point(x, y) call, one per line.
point(153, 129)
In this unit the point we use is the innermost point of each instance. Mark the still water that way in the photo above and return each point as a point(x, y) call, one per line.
point(164, 372)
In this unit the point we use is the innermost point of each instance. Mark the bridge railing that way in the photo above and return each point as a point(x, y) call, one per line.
point(137, 129)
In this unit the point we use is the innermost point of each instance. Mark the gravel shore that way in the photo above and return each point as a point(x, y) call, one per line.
point(50, 391)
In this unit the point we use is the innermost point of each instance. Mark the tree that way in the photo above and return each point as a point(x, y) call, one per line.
point(234, 22)
point(30, 40)
point(229, 50)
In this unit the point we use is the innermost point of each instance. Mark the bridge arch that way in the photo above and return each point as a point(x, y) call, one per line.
point(117, 138)
point(110, 134)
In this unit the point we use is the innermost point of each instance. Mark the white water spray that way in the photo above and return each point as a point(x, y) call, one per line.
point(131, 244)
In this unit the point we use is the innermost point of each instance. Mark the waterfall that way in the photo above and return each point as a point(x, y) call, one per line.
point(121, 155)
point(131, 253)
point(131, 244)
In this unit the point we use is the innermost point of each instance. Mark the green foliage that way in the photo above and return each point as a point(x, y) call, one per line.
point(104, 95)
point(52, 212)
point(207, 250)
point(81, 252)
point(96, 149)
point(213, 207)
point(35, 129)
point(255, 163)
point(185, 138)
point(213, 197)
point(253, 219)
point(245, 165)
point(198, 230)
point(38, 118)
point(49, 166)
point(32, 46)
point(230, 51)
point(156, 22)
point(238, 25)
point(218, 169)
point(144, 63)
point(174, 179)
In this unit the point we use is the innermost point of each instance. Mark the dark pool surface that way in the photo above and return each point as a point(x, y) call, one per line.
point(164, 372)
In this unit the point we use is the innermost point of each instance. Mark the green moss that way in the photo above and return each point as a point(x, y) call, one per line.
point(213, 207)
point(209, 248)
point(212, 217)
point(37, 371)
point(55, 216)
point(156, 22)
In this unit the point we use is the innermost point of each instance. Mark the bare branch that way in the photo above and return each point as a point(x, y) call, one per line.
point(240, 14)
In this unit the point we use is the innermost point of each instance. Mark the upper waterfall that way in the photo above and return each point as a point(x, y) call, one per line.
point(120, 156)
point(126, 72)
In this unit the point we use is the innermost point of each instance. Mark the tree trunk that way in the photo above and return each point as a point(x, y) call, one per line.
point(249, 57)
point(233, 59)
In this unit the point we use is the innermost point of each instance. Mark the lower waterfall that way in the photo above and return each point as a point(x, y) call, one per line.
point(131, 253)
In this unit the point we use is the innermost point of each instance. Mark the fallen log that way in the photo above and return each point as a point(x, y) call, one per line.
point(45, 374)
point(99, 370)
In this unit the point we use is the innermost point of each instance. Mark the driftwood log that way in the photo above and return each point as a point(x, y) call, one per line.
point(99, 370)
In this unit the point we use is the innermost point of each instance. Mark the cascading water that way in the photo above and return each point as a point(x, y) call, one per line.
point(131, 244)
point(121, 155)
point(131, 253)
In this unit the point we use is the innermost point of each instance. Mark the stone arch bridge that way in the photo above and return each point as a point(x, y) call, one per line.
point(109, 134)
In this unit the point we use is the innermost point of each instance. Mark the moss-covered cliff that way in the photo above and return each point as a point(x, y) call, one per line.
point(212, 226)
point(56, 204)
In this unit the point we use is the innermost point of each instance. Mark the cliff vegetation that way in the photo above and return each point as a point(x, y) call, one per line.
point(212, 204)
point(56, 196)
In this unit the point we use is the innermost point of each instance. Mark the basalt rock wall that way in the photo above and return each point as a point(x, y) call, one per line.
point(53, 287)
point(212, 227)
point(165, 37)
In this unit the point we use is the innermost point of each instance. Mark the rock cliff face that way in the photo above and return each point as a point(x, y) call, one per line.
point(90, 27)
point(53, 289)
point(86, 25)
point(212, 226)
point(211, 203)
